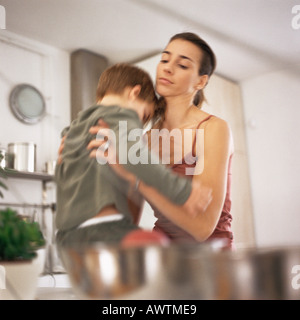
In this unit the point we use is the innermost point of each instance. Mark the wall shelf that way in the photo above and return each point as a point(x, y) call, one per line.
point(42, 176)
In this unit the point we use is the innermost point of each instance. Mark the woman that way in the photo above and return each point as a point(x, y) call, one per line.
point(92, 201)
point(183, 72)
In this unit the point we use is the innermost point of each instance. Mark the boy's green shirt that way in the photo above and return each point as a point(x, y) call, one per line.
point(84, 186)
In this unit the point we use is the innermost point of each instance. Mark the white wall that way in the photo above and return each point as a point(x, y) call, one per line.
point(47, 68)
point(272, 113)
point(25, 61)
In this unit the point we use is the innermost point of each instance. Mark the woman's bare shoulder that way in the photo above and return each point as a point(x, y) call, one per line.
point(219, 129)
point(217, 122)
point(210, 120)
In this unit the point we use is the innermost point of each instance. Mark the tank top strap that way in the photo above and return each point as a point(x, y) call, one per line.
point(198, 126)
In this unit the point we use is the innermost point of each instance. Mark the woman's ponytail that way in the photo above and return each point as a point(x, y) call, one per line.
point(199, 98)
point(159, 112)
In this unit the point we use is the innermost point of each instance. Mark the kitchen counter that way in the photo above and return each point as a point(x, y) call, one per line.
point(55, 287)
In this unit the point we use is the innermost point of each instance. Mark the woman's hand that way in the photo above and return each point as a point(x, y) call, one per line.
point(60, 150)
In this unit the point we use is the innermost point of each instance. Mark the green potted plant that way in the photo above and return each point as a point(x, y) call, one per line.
point(19, 237)
point(21, 256)
point(21, 253)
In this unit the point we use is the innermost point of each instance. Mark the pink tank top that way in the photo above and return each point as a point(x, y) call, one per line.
point(223, 228)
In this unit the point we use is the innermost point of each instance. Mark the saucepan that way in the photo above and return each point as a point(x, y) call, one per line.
point(22, 156)
point(182, 272)
point(3, 158)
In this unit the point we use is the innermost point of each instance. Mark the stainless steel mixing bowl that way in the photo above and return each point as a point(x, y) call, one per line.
point(182, 272)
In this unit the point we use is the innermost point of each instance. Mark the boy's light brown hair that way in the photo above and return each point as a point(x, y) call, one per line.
point(115, 79)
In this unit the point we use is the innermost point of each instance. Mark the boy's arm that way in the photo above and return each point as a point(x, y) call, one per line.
point(199, 198)
point(139, 159)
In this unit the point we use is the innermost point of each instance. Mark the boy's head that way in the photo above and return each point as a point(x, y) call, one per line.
point(118, 78)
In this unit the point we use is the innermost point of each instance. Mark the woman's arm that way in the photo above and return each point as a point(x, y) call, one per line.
point(60, 150)
point(218, 147)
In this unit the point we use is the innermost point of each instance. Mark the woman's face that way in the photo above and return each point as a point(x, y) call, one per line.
point(177, 73)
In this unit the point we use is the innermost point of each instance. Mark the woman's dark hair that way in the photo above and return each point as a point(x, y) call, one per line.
point(207, 66)
point(207, 63)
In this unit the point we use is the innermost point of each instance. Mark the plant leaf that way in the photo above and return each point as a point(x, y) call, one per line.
point(3, 185)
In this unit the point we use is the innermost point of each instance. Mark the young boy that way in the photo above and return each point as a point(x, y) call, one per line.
point(92, 200)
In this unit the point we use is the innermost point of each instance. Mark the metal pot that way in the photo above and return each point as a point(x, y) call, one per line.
point(50, 167)
point(182, 272)
point(3, 158)
point(23, 156)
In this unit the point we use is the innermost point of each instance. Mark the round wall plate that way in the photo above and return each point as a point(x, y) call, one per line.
point(27, 103)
